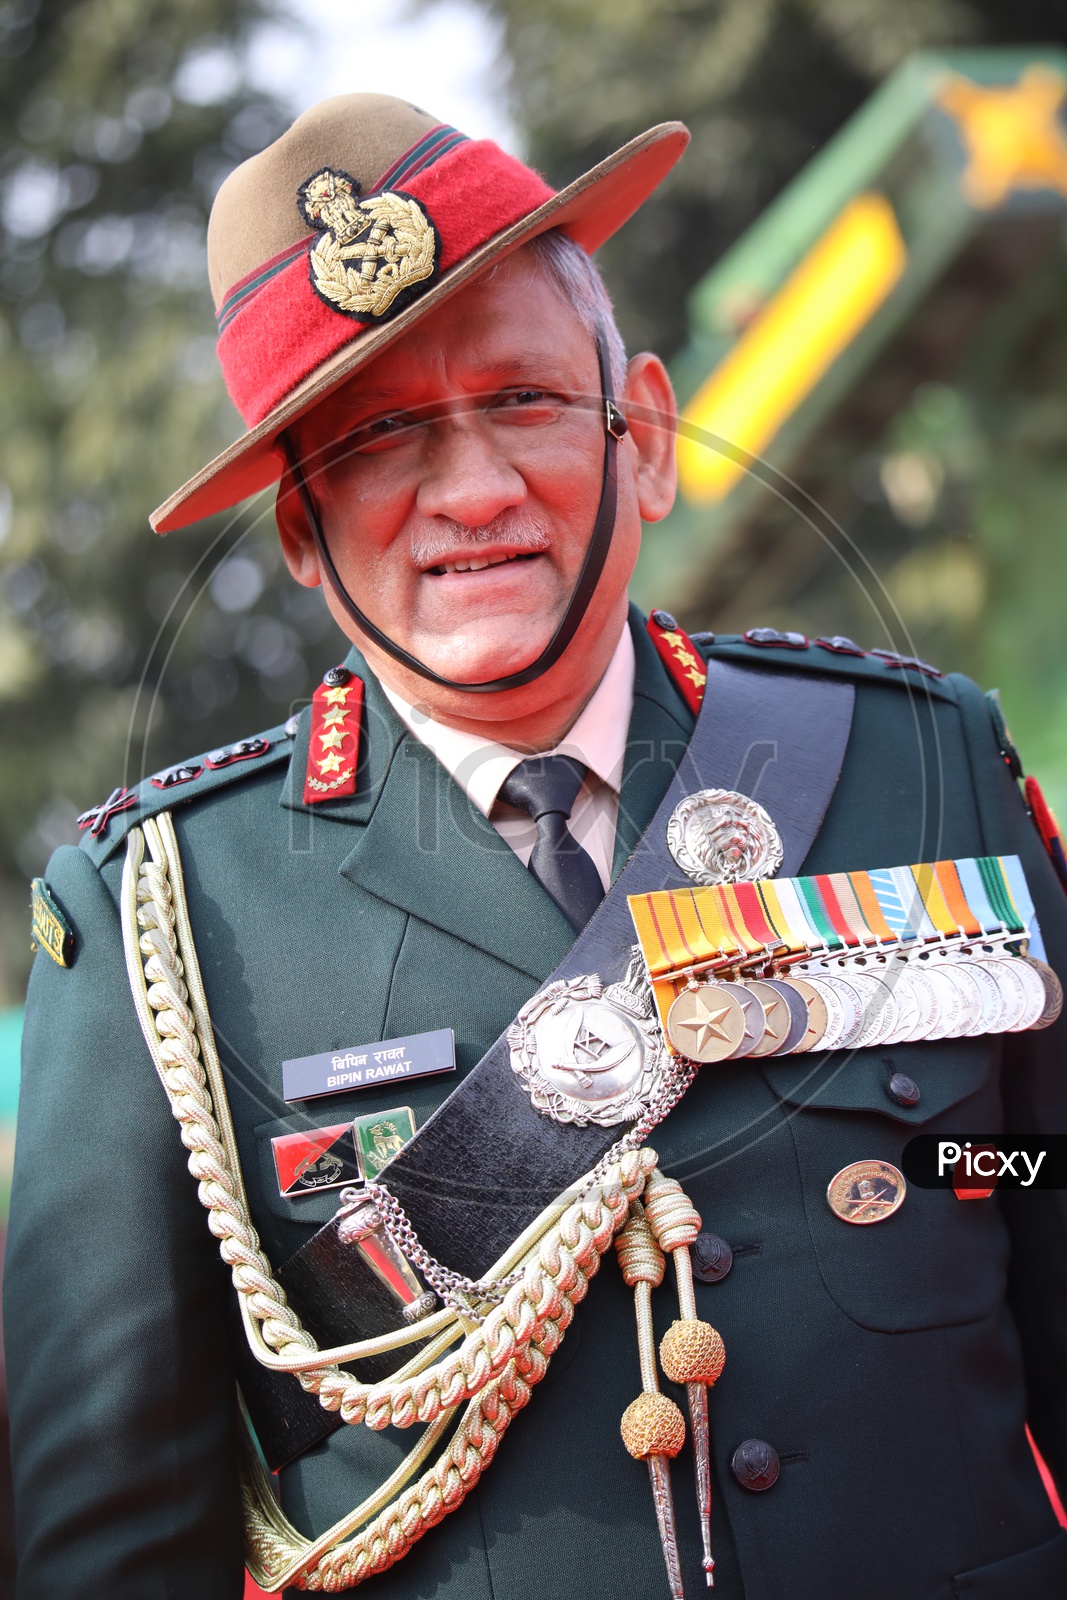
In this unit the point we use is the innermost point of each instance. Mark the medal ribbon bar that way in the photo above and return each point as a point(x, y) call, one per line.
point(932, 950)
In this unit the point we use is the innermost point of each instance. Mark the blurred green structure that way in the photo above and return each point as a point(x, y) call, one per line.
point(874, 394)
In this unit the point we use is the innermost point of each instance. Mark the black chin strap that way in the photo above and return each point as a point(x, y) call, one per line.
point(584, 589)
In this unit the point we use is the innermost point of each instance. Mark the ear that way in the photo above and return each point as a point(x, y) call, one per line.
point(652, 413)
point(298, 546)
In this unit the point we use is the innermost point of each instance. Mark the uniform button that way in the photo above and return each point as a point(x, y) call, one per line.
point(664, 620)
point(336, 677)
point(712, 1257)
point(904, 1090)
point(756, 1465)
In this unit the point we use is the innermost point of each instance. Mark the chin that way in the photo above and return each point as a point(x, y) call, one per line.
point(481, 654)
point(482, 664)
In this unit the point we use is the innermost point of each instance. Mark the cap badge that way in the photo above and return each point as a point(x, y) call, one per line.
point(371, 251)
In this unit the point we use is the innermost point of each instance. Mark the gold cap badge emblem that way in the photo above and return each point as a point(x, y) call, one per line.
point(371, 251)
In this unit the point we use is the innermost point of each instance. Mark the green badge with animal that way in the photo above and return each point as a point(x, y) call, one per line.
point(379, 1136)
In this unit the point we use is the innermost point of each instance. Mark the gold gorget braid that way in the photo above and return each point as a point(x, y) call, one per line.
point(467, 1395)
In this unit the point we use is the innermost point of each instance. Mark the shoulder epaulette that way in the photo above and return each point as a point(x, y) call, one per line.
point(105, 826)
point(1041, 813)
point(685, 666)
point(832, 653)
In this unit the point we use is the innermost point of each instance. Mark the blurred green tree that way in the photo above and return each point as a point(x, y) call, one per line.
point(960, 503)
point(761, 84)
point(118, 121)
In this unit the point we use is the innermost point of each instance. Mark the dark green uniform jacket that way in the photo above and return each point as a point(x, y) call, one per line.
point(892, 1367)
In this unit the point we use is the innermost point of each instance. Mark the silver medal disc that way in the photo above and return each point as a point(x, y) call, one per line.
point(717, 836)
point(971, 999)
point(851, 1005)
point(948, 997)
point(906, 1005)
point(880, 1011)
point(915, 1001)
point(1011, 989)
point(909, 1015)
point(992, 999)
point(926, 1000)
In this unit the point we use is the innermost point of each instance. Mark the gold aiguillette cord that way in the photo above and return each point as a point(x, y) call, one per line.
point(691, 1351)
point(652, 1427)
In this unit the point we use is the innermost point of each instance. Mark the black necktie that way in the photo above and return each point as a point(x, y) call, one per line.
point(546, 787)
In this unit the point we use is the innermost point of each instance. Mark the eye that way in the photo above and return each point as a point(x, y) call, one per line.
point(380, 432)
point(529, 405)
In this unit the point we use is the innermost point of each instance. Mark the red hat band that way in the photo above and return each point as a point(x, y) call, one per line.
point(367, 258)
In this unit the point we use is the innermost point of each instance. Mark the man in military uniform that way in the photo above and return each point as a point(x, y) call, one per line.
point(412, 330)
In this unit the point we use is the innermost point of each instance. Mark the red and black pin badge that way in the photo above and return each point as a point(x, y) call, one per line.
point(320, 1158)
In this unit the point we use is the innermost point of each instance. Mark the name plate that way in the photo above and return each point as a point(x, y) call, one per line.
point(367, 1066)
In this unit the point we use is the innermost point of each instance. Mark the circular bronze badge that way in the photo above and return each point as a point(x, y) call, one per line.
point(818, 1015)
point(866, 1191)
point(707, 1024)
point(1053, 992)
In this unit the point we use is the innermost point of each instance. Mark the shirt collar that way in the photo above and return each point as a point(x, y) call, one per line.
point(597, 739)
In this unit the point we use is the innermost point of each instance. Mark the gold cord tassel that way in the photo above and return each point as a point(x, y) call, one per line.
point(652, 1427)
point(691, 1351)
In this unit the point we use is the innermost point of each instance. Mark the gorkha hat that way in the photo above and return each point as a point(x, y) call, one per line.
point(339, 236)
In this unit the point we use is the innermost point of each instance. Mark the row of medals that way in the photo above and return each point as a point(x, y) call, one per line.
point(858, 1001)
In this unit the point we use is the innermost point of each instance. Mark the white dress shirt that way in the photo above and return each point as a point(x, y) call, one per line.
point(598, 740)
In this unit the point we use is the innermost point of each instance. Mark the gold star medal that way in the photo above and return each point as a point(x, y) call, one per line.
point(706, 1023)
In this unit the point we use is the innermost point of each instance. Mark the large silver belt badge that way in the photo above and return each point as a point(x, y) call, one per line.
point(585, 1053)
point(717, 836)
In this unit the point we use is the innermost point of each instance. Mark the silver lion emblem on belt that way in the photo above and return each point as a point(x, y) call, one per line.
point(589, 1053)
point(718, 836)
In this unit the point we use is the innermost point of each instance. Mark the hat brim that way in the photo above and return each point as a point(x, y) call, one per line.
point(590, 210)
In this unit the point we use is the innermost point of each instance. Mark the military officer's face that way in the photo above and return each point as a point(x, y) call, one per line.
point(458, 478)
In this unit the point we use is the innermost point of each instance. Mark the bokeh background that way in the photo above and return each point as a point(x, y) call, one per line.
point(937, 443)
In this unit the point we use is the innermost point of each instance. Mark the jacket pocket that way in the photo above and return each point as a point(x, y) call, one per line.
point(1039, 1574)
point(937, 1261)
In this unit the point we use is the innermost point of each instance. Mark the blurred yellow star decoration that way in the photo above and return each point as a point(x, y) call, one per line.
point(1012, 134)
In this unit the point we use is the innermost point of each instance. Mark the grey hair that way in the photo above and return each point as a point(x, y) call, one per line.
point(579, 282)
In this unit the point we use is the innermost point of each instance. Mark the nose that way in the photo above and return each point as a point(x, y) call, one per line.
point(468, 480)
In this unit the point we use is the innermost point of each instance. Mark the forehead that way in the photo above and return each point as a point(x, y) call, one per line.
point(511, 322)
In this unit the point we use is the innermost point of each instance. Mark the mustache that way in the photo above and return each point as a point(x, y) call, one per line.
point(509, 529)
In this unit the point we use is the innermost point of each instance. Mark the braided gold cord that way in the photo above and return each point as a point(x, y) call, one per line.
point(671, 1214)
point(640, 1257)
point(498, 1361)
